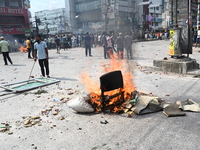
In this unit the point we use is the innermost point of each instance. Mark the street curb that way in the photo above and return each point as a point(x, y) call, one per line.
point(155, 69)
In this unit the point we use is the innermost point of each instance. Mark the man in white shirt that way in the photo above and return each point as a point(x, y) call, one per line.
point(41, 53)
point(5, 50)
point(198, 38)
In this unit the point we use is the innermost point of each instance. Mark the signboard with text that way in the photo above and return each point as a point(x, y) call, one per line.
point(13, 11)
point(14, 30)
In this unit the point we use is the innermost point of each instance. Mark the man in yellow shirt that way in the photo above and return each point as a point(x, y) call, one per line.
point(28, 46)
point(5, 49)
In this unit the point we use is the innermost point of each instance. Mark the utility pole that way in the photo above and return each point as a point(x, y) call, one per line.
point(154, 19)
point(176, 13)
point(36, 22)
point(172, 13)
point(189, 29)
point(106, 19)
point(198, 14)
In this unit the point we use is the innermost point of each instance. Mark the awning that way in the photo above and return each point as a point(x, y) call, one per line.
point(145, 3)
point(154, 5)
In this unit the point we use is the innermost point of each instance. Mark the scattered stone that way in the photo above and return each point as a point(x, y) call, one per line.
point(27, 122)
point(10, 132)
point(129, 116)
point(29, 125)
point(34, 122)
point(35, 117)
point(55, 112)
point(62, 118)
point(105, 122)
point(62, 98)
point(70, 93)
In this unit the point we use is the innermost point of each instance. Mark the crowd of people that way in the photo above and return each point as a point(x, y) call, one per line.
point(158, 35)
point(37, 47)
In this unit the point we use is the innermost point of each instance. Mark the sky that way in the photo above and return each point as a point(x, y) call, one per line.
point(38, 5)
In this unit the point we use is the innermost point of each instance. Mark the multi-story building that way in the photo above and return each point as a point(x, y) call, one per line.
point(52, 21)
point(102, 15)
point(14, 17)
point(155, 10)
point(71, 15)
point(152, 15)
point(184, 11)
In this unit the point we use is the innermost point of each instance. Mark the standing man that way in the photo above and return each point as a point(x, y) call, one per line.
point(87, 44)
point(195, 34)
point(41, 53)
point(5, 49)
point(104, 44)
point(198, 38)
point(64, 42)
point(128, 45)
point(28, 46)
point(57, 40)
point(109, 45)
point(120, 46)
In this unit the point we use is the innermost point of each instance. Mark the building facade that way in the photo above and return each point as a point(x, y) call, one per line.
point(186, 11)
point(156, 9)
point(53, 21)
point(103, 15)
point(14, 17)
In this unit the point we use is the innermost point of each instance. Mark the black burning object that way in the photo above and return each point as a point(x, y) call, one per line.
point(108, 82)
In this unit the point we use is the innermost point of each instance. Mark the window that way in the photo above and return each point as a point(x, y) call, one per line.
point(157, 8)
point(2, 3)
point(13, 3)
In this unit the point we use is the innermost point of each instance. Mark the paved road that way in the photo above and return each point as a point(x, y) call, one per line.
point(84, 131)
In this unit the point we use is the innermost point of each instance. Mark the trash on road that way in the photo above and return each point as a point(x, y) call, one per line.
point(173, 110)
point(80, 104)
point(189, 105)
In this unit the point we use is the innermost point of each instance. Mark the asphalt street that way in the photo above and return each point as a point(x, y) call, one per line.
point(85, 131)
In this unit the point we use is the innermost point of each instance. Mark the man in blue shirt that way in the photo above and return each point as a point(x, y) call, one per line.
point(41, 53)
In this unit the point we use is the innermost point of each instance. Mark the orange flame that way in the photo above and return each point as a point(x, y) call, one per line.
point(93, 86)
point(23, 49)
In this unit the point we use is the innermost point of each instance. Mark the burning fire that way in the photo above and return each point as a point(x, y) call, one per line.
point(22, 49)
point(93, 86)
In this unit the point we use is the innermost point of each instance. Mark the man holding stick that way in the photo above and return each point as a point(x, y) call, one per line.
point(41, 53)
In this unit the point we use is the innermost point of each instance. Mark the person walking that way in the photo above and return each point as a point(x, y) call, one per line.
point(87, 44)
point(128, 45)
point(120, 46)
point(5, 50)
point(41, 53)
point(57, 41)
point(28, 46)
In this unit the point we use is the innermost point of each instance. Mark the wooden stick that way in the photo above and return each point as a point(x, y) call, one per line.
point(31, 70)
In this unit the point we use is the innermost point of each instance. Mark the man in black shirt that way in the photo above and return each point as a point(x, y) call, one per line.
point(57, 41)
point(87, 44)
